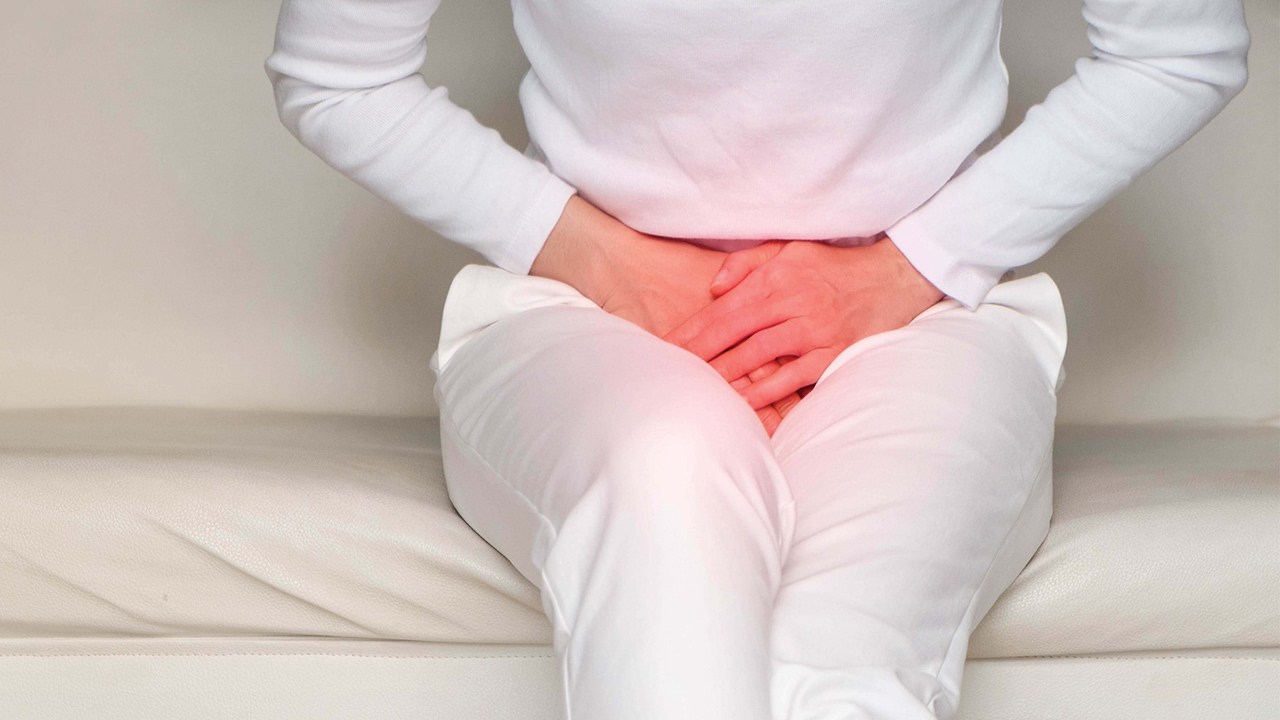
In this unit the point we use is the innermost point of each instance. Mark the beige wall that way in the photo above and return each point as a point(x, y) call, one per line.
point(163, 240)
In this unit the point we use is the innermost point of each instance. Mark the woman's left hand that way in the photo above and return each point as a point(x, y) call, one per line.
point(805, 301)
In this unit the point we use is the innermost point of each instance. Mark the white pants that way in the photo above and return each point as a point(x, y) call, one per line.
point(694, 567)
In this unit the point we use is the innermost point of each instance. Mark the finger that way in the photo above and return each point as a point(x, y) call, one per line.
point(735, 326)
point(789, 402)
point(788, 379)
point(737, 265)
point(764, 370)
point(768, 344)
point(771, 415)
point(745, 293)
point(761, 372)
point(786, 404)
point(770, 418)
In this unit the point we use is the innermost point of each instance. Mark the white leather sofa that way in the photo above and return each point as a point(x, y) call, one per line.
point(221, 493)
point(179, 563)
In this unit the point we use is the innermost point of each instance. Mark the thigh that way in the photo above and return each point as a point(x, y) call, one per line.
point(920, 468)
point(541, 393)
point(627, 480)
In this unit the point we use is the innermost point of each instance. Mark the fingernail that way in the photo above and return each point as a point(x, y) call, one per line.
point(719, 278)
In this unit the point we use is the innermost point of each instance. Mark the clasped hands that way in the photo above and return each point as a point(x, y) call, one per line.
point(784, 310)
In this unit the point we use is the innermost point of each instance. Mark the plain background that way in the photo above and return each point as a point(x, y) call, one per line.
point(165, 241)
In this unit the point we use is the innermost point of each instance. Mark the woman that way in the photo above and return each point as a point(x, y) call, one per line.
point(744, 394)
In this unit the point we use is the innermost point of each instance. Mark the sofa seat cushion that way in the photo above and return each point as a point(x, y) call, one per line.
point(1163, 536)
point(155, 521)
point(144, 521)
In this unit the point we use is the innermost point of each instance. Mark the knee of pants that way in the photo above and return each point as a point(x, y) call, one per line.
point(693, 477)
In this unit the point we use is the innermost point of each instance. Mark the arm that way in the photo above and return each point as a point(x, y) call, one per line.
point(345, 74)
point(1160, 71)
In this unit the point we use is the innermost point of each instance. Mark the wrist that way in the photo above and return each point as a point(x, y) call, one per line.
point(578, 251)
point(908, 276)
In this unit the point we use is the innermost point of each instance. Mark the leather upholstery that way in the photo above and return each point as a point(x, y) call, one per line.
point(184, 522)
point(311, 679)
point(158, 522)
point(1162, 536)
point(275, 679)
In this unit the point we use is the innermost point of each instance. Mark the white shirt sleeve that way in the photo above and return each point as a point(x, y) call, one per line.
point(347, 85)
point(1160, 71)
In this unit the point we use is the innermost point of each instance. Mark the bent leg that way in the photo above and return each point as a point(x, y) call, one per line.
point(627, 480)
point(921, 470)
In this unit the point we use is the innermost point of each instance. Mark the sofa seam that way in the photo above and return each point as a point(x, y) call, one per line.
point(553, 655)
point(1113, 657)
point(283, 654)
point(446, 417)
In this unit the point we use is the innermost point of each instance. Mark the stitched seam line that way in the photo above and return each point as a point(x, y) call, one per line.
point(789, 540)
point(564, 657)
point(283, 654)
point(446, 415)
point(1047, 462)
point(550, 186)
point(548, 656)
point(1145, 657)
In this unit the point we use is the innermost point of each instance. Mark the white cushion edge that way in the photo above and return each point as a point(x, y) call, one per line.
point(315, 678)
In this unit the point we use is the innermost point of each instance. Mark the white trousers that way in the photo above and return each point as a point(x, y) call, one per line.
point(694, 567)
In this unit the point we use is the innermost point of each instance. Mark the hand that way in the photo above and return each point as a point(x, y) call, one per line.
point(805, 299)
point(661, 289)
point(658, 283)
point(653, 282)
point(771, 415)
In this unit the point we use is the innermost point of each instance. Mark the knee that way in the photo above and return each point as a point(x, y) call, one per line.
point(695, 472)
point(662, 454)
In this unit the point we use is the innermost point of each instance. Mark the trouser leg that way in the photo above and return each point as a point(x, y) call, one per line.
point(628, 481)
point(921, 470)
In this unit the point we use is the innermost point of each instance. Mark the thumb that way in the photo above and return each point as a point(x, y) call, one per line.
point(739, 264)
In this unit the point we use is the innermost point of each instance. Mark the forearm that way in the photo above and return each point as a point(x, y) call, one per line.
point(586, 249)
point(1160, 71)
point(347, 85)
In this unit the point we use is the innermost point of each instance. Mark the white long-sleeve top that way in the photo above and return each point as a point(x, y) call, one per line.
point(745, 120)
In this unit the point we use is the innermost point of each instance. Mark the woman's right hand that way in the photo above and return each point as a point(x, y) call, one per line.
point(655, 282)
